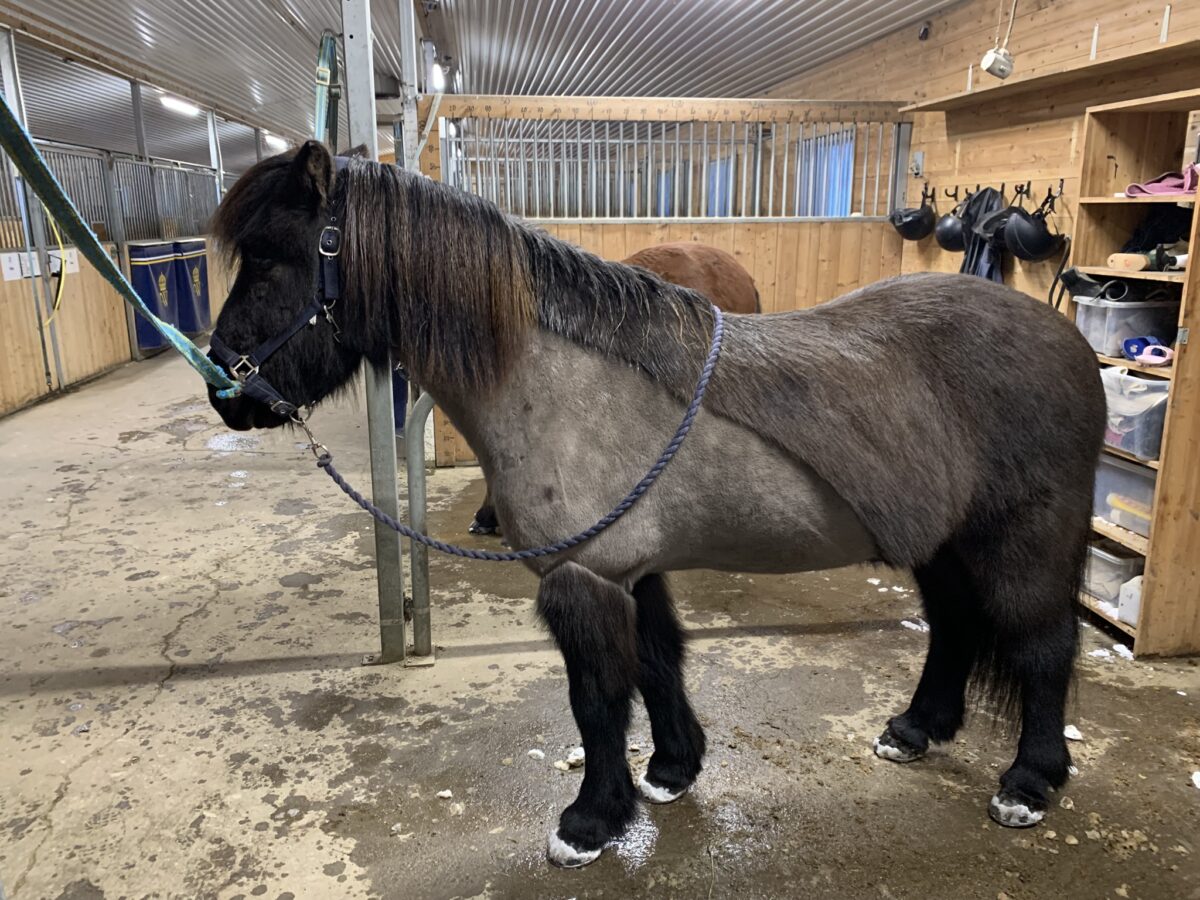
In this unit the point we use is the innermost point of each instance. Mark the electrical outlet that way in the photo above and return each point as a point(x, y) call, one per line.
point(10, 265)
point(916, 168)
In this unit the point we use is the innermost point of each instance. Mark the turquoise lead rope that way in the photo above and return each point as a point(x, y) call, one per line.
point(29, 162)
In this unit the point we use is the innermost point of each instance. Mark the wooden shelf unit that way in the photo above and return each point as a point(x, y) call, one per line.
point(1182, 199)
point(1104, 272)
point(1100, 608)
point(1123, 143)
point(1114, 68)
point(1156, 371)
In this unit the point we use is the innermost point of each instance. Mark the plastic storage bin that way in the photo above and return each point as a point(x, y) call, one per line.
point(1109, 566)
point(191, 286)
point(152, 273)
point(1130, 605)
point(1108, 323)
point(1137, 408)
point(1124, 494)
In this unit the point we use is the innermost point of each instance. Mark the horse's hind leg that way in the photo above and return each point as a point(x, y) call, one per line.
point(485, 521)
point(591, 620)
point(678, 737)
point(955, 623)
point(1028, 574)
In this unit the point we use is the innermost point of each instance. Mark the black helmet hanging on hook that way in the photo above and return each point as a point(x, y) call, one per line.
point(1027, 235)
point(915, 223)
point(949, 231)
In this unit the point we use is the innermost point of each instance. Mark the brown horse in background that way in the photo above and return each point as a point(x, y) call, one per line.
point(709, 270)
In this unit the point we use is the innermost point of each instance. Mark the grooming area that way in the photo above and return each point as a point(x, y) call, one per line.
point(220, 677)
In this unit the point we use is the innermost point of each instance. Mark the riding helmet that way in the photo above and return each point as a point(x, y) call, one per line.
point(913, 223)
point(1029, 238)
point(949, 233)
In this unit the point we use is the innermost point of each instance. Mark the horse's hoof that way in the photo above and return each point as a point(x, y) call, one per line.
point(565, 856)
point(1011, 812)
point(891, 746)
point(654, 793)
point(477, 528)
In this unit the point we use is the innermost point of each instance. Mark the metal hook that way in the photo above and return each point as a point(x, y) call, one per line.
point(951, 195)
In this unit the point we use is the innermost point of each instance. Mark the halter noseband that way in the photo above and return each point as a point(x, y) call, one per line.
point(244, 366)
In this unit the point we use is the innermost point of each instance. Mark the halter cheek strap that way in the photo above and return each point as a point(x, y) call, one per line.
point(244, 367)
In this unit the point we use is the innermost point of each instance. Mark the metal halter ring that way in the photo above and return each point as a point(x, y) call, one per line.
point(243, 368)
point(318, 449)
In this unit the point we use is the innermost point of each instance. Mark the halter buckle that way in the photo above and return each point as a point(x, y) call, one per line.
point(330, 241)
point(243, 368)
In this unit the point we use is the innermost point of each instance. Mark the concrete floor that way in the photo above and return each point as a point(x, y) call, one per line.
point(181, 618)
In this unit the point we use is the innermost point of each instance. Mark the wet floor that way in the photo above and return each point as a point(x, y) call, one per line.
point(182, 615)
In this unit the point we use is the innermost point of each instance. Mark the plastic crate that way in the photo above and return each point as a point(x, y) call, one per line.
point(1137, 409)
point(1107, 324)
point(1109, 566)
point(1124, 494)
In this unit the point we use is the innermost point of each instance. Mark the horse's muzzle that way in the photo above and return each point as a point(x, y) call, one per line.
point(243, 414)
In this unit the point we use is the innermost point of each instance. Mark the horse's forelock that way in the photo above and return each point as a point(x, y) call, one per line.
point(238, 213)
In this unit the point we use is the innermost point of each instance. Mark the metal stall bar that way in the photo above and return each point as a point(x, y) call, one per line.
point(381, 422)
point(414, 459)
point(35, 226)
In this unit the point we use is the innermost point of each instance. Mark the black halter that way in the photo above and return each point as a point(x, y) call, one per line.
point(244, 366)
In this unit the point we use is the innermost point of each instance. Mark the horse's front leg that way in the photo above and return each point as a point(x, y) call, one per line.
point(592, 621)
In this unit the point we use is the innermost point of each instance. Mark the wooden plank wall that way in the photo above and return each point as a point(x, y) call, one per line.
point(90, 327)
point(1033, 137)
point(795, 265)
point(22, 366)
point(92, 332)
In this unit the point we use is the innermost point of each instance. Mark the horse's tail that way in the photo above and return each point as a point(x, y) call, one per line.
point(1049, 640)
point(757, 300)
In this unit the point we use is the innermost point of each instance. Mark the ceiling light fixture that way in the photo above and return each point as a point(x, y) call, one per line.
point(175, 104)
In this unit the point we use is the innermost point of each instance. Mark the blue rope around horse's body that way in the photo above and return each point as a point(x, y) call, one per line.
point(639, 489)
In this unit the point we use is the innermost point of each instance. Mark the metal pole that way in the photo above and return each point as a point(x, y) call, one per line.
point(414, 457)
point(139, 122)
point(35, 226)
point(878, 166)
point(381, 422)
point(787, 146)
point(691, 156)
point(758, 171)
point(214, 153)
point(410, 88)
point(704, 171)
point(258, 145)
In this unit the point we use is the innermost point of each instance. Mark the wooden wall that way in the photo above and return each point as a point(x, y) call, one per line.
point(22, 366)
point(1031, 137)
point(91, 328)
point(795, 265)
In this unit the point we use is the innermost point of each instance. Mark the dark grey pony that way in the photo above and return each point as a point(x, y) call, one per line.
point(936, 423)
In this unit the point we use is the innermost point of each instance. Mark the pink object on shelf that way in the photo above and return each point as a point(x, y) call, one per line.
point(1155, 355)
point(1167, 184)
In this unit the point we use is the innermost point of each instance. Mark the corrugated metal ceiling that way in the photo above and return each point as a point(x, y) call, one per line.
point(253, 61)
point(663, 48)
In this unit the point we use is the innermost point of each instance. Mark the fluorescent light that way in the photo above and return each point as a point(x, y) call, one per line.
point(180, 106)
point(437, 79)
point(275, 142)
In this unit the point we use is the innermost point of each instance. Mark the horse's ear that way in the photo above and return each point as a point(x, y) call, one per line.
point(359, 152)
point(312, 172)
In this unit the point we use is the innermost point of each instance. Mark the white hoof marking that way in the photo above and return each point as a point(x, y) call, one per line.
point(565, 856)
point(1014, 815)
point(895, 754)
point(656, 794)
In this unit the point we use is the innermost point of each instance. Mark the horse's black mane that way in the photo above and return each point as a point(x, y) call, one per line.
point(459, 284)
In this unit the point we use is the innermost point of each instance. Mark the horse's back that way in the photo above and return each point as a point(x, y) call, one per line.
point(928, 401)
point(709, 270)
